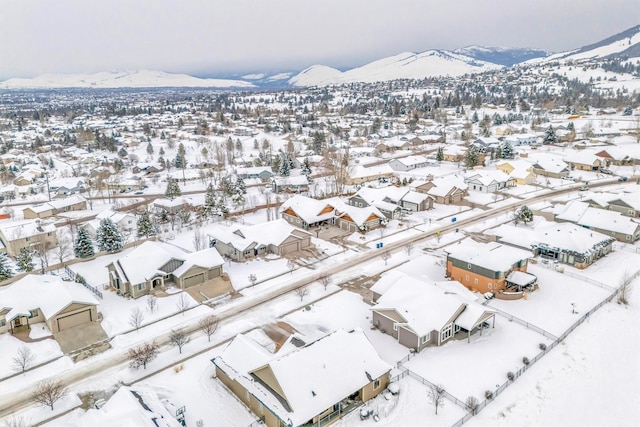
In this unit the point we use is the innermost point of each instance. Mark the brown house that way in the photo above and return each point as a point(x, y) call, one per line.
point(445, 191)
point(55, 207)
point(30, 233)
point(302, 382)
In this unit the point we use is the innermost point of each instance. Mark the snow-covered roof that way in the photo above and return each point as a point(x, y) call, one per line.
point(494, 256)
point(582, 214)
point(14, 230)
point(487, 177)
point(310, 209)
point(58, 204)
point(311, 378)
point(521, 278)
point(206, 258)
point(130, 407)
point(48, 293)
point(142, 263)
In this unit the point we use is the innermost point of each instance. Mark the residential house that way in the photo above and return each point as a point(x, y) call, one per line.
point(488, 181)
point(518, 139)
point(562, 242)
point(607, 222)
point(404, 164)
point(290, 184)
point(520, 170)
point(486, 144)
point(550, 168)
point(29, 233)
point(124, 221)
point(360, 174)
point(485, 267)
point(55, 207)
point(260, 172)
point(584, 161)
point(302, 383)
point(156, 266)
point(391, 200)
point(614, 156)
point(454, 153)
point(445, 191)
point(305, 212)
point(44, 298)
point(66, 186)
point(419, 314)
point(241, 243)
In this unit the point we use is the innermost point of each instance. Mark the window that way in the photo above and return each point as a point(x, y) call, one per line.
point(141, 286)
point(3, 323)
point(475, 281)
point(468, 266)
point(27, 239)
point(33, 313)
point(466, 277)
point(425, 339)
point(376, 384)
point(628, 237)
point(489, 285)
point(446, 332)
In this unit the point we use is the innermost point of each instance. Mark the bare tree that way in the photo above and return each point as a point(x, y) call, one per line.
point(42, 249)
point(198, 239)
point(23, 359)
point(183, 302)
point(136, 316)
point(291, 265)
point(409, 248)
point(302, 292)
point(386, 255)
point(143, 354)
point(209, 325)
point(625, 288)
point(152, 303)
point(65, 246)
point(48, 392)
point(179, 338)
point(472, 404)
point(325, 279)
point(436, 394)
point(17, 422)
point(253, 279)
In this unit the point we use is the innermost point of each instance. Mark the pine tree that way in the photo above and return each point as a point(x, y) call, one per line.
point(173, 189)
point(82, 247)
point(25, 260)
point(524, 214)
point(440, 154)
point(475, 118)
point(122, 152)
point(471, 157)
point(240, 186)
point(209, 208)
point(145, 226)
point(108, 236)
point(306, 170)
point(285, 170)
point(150, 148)
point(549, 136)
point(161, 152)
point(180, 161)
point(507, 150)
point(5, 271)
point(627, 111)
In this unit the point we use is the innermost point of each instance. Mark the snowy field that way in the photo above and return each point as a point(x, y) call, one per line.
point(43, 351)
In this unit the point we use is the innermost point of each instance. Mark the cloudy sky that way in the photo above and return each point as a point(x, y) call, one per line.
point(220, 37)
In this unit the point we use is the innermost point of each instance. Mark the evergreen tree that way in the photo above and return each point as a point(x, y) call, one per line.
point(145, 226)
point(571, 127)
point(507, 150)
point(180, 160)
point(25, 260)
point(524, 214)
point(306, 170)
point(475, 118)
point(122, 152)
point(108, 236)
point(471, 157)
point(318, 142)
point(209, 208)
point(82, 247)
point(5, 271)
point(173, 189)
point(149, 149)
point(161, 152)
point(550, 136)
point(240, 186)
point(285, 169)
point(440, 154)
point(627, 111)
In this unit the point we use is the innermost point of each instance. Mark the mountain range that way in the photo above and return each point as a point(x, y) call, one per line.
point(407, 65)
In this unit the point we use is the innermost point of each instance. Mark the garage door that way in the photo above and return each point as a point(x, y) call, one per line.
point(196, 279)
point(72, 320)
point(290, 248)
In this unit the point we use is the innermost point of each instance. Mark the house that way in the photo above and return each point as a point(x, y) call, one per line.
point(419, 314)
point(486, 144)
point(302, 383)
point(566, 243)
point(520, 170)
point(584, 161)
point(43, 298)
point(614, 156)
point(171, 206)
point(550, 168)
point(444, 191)
point(124, 221)
point(485, 267)
point(66, 186)
point(138, 406)
point(488, 181)
point(518, 139)
point(454, 153)
point(242, 243)
point(156, 266)
point(359, 174)
point(29, 233)
point(391, 200)
point(607, 222)
point(305, 212)
point(260, 172)
point(54, 207)
point(408, 163)
point(290, 184)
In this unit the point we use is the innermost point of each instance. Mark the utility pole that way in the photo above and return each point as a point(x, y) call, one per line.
point(46, 175)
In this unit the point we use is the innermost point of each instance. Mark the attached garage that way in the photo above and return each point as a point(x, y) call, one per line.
point(289, 248)
point(71, 320)
point(193, 280)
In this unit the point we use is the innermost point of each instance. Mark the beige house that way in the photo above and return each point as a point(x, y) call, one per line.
point(29, 233)
point(44, 298)
point(302, 382)
point(155, 266)
point(55, 207)
point(445, 191)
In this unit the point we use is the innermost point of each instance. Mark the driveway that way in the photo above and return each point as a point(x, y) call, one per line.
point(80, 336)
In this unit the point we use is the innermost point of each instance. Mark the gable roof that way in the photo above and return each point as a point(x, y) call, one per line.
point(493, 256)
point(142, 263)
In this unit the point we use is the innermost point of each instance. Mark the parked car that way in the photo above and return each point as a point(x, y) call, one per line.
point(623, 179)
point(568, 178)
point(606, 171)
point(584, 188)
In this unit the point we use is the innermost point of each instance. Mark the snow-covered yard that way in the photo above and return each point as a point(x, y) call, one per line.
point(42, 351)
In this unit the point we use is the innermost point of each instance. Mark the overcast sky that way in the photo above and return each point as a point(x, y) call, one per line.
point(218, 37)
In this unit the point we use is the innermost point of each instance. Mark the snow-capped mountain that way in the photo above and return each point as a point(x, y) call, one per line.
point(506, 56)
point(406, 65)
point(120, 79)
point(624, 44)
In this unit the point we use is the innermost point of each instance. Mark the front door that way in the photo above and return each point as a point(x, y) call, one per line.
point(17, 322)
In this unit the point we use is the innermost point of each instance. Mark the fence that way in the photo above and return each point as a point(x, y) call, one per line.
point(79, 279)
